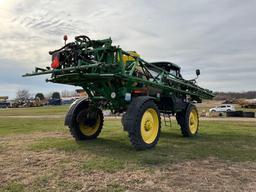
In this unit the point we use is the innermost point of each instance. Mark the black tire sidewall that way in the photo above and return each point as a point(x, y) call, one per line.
point(185, 127)
point(141, 144)
point(179, 117)
point(76, 127)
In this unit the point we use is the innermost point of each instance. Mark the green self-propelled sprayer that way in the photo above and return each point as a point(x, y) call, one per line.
point(124, 83)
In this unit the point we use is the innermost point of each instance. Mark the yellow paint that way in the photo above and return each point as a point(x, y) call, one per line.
point(193, 121)
point(127, 58)
point(90, 130)
point(149, 126)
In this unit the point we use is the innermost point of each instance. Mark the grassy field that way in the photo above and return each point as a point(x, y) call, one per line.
point(35, 111)
point(61, 110)
point(38, 154)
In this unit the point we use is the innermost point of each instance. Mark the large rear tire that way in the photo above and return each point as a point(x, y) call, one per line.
point(143, 123)
point(188, 121)
point(87, 123)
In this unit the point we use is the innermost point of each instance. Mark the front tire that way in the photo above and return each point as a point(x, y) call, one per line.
point(87, 124)
point(188, 121)
point(143, 123)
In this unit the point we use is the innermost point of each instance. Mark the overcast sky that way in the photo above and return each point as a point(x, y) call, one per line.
point(218, 37)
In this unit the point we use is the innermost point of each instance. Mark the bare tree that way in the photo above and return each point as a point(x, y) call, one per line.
point(235, 95)
point(23, 95)
point(56, 95)
point(40, 96)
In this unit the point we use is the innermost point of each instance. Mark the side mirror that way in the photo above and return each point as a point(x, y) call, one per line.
point(197, 72)
point(65, 38)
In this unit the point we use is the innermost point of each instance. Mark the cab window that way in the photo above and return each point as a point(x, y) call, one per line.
point(173, 72)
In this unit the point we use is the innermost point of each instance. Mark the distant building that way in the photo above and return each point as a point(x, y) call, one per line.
point(3, 102)
point(3, 98)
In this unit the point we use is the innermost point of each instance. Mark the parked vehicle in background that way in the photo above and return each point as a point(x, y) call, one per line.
point(68, 100)
point(223, 108)
point(54, 101)
point(3, 102)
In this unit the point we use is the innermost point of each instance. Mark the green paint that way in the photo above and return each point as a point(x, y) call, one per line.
point(99, 68)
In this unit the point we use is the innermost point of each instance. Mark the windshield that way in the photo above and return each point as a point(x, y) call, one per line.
point(173, 72)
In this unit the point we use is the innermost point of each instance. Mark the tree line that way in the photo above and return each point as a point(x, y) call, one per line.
point(24, 95)
point(235, 95)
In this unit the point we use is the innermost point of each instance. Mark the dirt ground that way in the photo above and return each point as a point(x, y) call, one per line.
point(53, 170)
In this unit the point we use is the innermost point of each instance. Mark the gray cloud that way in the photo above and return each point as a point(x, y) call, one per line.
point(11, 80)
point(217, 37)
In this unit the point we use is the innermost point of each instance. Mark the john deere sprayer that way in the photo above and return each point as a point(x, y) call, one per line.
point(121, 81)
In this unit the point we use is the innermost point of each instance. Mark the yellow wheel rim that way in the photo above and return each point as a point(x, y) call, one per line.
point(90, 130)
point(193, 121)
point(149, 126)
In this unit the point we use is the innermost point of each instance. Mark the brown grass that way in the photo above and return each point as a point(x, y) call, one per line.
point(54, 170)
